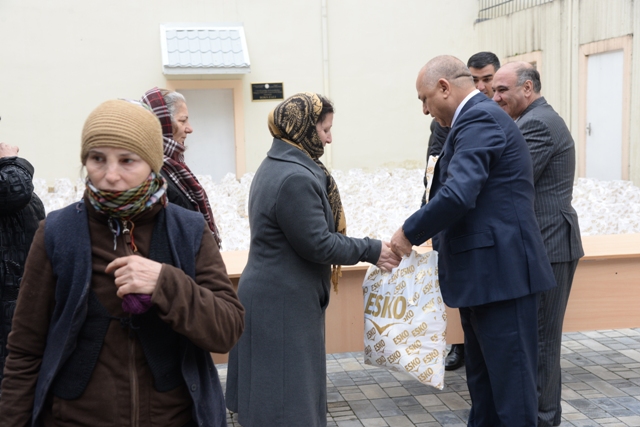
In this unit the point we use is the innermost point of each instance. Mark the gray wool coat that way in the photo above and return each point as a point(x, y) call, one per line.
point(277, 371)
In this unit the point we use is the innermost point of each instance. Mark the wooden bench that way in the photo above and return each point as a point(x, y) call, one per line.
point(605, 293)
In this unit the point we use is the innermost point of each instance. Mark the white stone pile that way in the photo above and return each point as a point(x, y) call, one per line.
point(607, 207)
point(376, 203)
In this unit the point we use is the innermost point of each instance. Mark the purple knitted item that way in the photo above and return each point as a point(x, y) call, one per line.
point(136, 303)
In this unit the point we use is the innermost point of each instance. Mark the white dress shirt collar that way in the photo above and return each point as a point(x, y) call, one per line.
point(464, 101)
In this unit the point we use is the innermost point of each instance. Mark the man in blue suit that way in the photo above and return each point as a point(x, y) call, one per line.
point(491, 260)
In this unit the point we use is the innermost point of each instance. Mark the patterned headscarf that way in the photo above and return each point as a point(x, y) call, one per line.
point(174, 164)
point(294, 121)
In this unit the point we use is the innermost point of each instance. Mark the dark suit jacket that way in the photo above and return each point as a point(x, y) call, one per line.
point(481, 208)
point(554, 165)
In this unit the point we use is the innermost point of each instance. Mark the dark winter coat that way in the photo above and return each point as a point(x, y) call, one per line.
point(193, 295)
point(277, 371)
point(20, 212)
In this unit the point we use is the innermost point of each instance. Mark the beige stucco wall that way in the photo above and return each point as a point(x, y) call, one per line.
point(61, 59)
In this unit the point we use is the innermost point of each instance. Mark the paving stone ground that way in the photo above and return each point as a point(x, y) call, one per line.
point(600, 377)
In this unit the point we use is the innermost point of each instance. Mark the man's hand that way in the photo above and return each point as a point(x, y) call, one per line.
point(7, 150)
point(388, 260)
point(400, 244)
point(134, 274)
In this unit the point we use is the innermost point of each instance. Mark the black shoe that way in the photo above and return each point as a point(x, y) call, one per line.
point(455, 359)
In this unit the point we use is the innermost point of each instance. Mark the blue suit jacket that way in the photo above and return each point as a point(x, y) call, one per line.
point(481, 213)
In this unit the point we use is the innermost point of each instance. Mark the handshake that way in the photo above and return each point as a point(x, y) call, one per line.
point(393, 251)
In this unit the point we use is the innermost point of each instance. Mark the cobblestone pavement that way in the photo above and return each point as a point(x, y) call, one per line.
point(600, 376)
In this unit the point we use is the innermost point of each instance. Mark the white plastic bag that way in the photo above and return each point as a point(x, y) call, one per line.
point(405, 320)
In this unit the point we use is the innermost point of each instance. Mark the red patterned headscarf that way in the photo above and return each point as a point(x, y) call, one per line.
point(174, 165)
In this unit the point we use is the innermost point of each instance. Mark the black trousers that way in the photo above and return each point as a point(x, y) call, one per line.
point(501, 353)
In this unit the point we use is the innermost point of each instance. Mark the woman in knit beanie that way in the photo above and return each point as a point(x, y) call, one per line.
point(184, 188)
point(123, 296)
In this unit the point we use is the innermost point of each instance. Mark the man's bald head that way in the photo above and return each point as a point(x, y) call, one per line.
point(442, 84)
point(449, 68)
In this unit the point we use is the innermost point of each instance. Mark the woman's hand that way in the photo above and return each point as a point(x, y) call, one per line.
point(134, 274)
point(388, 260)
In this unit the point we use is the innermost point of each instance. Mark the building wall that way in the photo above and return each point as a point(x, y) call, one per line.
point(558, 29)
point(61, 59)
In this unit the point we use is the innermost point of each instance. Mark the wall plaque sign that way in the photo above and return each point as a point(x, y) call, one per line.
point(267, 91)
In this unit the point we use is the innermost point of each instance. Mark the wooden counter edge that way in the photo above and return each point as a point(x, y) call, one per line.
point(595, 247)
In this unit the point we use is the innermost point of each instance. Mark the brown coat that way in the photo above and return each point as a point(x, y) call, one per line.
point(120, 391)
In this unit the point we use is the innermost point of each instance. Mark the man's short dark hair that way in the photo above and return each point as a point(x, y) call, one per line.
point(529, 73)
point(482, 59)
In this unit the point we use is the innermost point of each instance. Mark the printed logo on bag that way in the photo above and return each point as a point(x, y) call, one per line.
point(373, 274)
point(392, 307)
point(414, 299)
point(430, 306)
point(444, 316)
point(421, 330)
point(424, 259)
point(407, 270)
point(367, 350)
point(371, 333)
point(379, 346)
point(427, 288)
point(381, 360)
point(376, 286)
point(394, 277)
point(395, 357)
point(408, 318)
point(434, 337)
point(430, 357)
point(400, 287)
point(401, 338)
point(426, 375)
point(420, 277)
point(413, 365)
point(414, 348)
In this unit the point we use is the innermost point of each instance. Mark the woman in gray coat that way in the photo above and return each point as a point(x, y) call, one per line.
point(277, 371)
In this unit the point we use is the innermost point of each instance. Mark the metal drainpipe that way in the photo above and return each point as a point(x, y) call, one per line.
point(328, 155)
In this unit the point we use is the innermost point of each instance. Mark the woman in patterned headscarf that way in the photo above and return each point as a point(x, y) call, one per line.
point(184, 189)
point(277, 371)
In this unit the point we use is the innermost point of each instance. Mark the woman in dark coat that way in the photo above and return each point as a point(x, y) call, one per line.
point(277, 371)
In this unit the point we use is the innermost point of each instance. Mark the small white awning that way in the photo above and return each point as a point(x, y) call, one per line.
point(204, 49)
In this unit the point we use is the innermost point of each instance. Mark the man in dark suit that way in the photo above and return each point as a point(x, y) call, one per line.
point(483, 66)
point(517, 90)
point(492, 261)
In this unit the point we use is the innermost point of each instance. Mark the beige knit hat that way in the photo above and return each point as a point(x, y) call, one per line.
point(122, 124)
